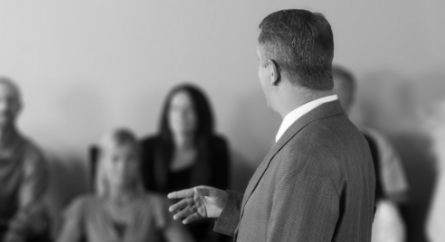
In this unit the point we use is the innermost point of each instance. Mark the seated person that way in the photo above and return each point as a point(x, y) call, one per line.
point(23, 173)
point(391, 184)
point(186, 151)
point(120, 210)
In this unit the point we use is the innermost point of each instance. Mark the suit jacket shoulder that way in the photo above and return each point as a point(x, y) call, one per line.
point(328, 143)
point(316, 184)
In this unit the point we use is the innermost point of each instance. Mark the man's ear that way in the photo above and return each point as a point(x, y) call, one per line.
point(274, 72)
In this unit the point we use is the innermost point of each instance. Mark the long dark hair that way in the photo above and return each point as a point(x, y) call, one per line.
point(202, 136)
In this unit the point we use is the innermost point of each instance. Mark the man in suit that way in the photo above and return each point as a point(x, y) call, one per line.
point(317, 182)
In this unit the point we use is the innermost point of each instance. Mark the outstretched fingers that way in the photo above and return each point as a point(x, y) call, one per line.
point(192, 206)
point(181, 194)
point(181, 205)
point(191, 218)
point(184, 213)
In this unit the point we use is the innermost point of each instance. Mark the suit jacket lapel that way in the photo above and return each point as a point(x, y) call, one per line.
point(323, 111)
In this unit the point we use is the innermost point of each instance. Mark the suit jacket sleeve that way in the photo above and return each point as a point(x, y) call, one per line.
point(229, 218)
point(305, 201)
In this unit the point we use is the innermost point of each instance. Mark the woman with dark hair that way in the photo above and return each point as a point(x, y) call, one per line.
point(186, 151)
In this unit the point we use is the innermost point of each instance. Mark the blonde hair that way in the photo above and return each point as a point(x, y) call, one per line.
point(119, 138)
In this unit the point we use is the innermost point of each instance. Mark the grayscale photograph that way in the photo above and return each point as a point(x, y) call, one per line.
point(220, 121)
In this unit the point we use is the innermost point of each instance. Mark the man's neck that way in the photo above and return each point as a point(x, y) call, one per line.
point(7, 136)
point(297, 98)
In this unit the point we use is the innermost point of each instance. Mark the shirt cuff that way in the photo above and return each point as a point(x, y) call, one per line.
point(229, 218)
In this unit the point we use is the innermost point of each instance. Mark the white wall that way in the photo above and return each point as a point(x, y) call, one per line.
point(88, 66)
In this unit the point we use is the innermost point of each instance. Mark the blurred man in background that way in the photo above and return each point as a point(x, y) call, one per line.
point(391, 184)
point(23, 172)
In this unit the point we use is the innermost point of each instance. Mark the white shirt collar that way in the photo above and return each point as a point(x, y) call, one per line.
point(300, 111)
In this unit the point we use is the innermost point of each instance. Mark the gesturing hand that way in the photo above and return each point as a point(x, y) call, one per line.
point(197, 203)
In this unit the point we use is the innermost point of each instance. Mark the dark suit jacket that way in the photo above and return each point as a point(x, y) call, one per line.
point(317, 183)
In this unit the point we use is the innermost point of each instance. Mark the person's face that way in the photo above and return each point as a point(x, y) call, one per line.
point(264, 75)
point(121, 164)
point(9, 104)
point(182, 116)
point(343, 91)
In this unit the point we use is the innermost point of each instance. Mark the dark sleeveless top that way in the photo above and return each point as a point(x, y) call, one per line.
point(177, 179)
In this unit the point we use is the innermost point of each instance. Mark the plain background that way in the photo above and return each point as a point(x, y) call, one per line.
point(86, 67)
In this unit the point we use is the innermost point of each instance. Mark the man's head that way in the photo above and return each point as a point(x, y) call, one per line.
point(10, 102)
point(296, 46)
point(344, 86)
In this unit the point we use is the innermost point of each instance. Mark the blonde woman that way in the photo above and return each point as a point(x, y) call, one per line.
point(121, 210)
